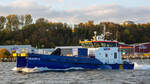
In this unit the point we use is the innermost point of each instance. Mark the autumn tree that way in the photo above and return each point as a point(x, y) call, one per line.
point(22, 20)
point(12, 22)
point(4, 53)
point(28, 19)
point(2, 22)
point(45, 34)
point(41, 20)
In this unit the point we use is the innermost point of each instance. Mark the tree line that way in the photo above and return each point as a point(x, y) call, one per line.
point(21, 30)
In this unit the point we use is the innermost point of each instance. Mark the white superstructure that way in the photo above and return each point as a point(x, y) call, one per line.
point(108, 55)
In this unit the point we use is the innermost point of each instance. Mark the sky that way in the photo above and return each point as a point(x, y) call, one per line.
point(76, 11)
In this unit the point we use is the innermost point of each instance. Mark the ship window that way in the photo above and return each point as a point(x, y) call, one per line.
point(106, 55)
point(115, 55)
point(103, 44)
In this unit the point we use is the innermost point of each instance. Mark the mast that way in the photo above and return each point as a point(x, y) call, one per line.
point(104, 32)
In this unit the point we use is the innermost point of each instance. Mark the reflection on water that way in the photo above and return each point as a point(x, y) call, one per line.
point(138, 76)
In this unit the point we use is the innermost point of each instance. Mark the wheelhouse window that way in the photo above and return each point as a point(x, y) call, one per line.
point(99, 44)
point(115, 55)
point(105, 44)
point(87, 45)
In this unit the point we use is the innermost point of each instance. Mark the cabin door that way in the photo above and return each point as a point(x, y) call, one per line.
point(111, 59)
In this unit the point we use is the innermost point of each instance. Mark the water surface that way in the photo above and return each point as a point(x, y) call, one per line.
point(138, 76)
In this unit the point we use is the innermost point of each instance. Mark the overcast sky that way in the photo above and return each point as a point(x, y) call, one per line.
point(76, 11)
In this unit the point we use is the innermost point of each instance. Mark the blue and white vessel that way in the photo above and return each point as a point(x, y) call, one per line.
point(95, 54)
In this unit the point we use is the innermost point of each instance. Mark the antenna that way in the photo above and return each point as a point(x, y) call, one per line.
point(117, 34)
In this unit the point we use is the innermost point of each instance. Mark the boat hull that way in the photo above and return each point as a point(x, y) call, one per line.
point(65, 62)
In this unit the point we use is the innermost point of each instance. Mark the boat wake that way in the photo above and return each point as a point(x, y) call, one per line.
point(141, 66)
point(42, 69)
point(47, 69)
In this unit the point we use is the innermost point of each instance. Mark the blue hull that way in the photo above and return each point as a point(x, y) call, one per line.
point(65, 62)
